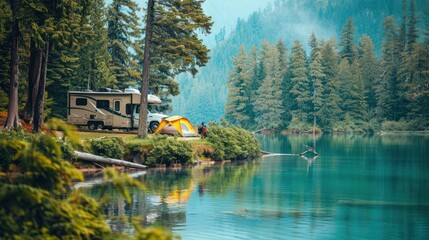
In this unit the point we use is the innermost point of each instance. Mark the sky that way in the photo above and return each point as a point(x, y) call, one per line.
point(224, 13)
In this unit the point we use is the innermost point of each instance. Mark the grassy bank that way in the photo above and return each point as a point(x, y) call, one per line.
point(222, 143)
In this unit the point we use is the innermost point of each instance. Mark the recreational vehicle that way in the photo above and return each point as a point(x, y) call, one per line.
point(110, 109)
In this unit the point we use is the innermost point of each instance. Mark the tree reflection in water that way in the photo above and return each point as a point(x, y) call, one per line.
point(163, 202)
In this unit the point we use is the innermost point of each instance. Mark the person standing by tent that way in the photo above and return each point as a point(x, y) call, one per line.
point(202, 130)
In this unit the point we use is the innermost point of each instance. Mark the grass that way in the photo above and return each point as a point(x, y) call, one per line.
point(92, 135)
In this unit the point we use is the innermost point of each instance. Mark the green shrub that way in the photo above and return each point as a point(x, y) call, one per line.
point(43, 204)
point(67, 149)
point(111, 147)
point(15, 134)
point(232, 143)
point(400, 125)
point(170, 151)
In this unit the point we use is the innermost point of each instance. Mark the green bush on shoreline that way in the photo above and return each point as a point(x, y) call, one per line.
point(39, 201)
point(232, 143)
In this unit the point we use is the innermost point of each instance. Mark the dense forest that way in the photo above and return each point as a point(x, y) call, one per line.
point(375, 26)
point(349, 89)
point(48, 48)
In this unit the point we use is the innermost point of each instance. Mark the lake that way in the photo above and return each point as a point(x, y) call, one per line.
point(359, 187)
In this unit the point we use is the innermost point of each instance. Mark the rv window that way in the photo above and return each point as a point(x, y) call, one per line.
point(103, 104)
point(129, 109)
point(81, 101)
point(117, 106)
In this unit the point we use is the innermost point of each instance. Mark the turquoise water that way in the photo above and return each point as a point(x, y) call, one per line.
point(359, 187)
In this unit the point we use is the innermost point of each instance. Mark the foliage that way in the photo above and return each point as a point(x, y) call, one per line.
point(140, 147)
point(345, 90)
point(40, 202)
point(232, 143)
point(205, 97)
point(202, 149)
point(394, 126)
point(123, 25)
point(111, 147)
point(170, 151)
point(32, 205)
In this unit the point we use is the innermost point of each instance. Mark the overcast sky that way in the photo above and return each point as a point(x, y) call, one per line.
point(225, 13)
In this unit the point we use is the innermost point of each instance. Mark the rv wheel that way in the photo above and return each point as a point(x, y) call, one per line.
point(100, 126)
point(153, 126)
point(91, 126)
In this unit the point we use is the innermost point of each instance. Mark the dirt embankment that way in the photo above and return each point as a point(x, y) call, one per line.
point(3, 117)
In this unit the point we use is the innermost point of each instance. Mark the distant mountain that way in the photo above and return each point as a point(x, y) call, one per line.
point(203, 98)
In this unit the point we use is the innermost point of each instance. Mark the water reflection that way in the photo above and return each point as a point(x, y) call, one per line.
point(359, 187)
point(163, 202)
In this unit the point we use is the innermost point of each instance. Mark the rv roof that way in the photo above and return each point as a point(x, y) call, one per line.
point(104, 93)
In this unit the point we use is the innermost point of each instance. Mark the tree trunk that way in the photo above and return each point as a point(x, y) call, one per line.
point(40, 100)
point(13, 117)
point(111, 161)
point(33, 82)
point(142, 130)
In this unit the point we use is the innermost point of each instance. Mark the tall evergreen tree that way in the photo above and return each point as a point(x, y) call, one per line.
point(369, 70)
point(345, 80)
point(314, 45)
point(238, 98)
point(12, 120)
point(300, 86)
point(5, 19)
point(282, 71)
point(170, 32)
point(316, 76)
point(412, 34)
point(94, 54)
point(359, 106)
point(386, 90)
point(347, 44)
point(402, 41)
point(268, 103)
point(330, 110)
point(123, 26)
point(255, 81)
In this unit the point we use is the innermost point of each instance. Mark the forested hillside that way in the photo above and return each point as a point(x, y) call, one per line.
point(204, 98)
point(48, 48)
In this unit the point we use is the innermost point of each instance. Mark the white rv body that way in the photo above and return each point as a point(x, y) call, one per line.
point(110, 110)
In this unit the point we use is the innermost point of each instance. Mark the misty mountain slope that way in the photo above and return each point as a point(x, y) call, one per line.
point(203, 98)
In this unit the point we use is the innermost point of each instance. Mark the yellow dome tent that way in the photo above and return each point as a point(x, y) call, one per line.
point(176, 124)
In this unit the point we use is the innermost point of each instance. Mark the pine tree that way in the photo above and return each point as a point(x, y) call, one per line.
point(402, 38)
point(268, 102)
point(347, 44)
point(54, 28)
point(412, 34)
point(386, 88)
point(314, 45)
point(237, 99)
point(170, 32)
point(345, 80)
point(369, 71)
point(316, 76)
point(123, 26)
point(94, 57)
point(12, 120)
point(359, 108)
point(300, 86)
point(330, 110)
point(282, 71)
point(255, 82)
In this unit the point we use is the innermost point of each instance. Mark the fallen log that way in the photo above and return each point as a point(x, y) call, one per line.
point(94, 158)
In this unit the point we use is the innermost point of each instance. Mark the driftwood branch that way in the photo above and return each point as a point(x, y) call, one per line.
point(98, 159)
